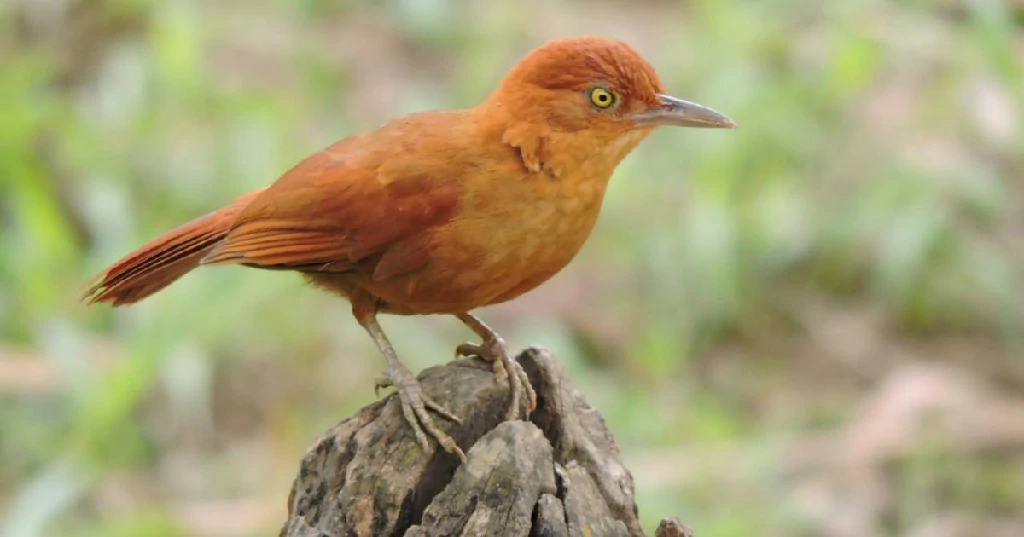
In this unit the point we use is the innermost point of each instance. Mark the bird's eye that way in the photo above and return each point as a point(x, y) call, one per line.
point(601, 97)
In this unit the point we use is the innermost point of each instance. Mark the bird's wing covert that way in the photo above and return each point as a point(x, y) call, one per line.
point(325, 216)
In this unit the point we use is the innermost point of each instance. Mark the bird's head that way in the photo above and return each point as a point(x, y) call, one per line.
point(586, 98)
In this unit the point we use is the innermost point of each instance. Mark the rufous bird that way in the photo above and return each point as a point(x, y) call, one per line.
point(440, 212)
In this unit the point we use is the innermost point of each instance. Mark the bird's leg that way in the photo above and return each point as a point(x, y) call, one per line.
point(414, 402)
point(492, 348)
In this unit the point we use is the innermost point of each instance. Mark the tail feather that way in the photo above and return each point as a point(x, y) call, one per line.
point(160, 262)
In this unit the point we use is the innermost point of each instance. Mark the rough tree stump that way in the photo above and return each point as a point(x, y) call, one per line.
point(557, 475)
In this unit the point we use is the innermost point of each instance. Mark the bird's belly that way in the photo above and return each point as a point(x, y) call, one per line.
point(539, 253)
point(477, 261)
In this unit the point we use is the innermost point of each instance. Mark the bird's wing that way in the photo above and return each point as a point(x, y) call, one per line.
point(324, 216)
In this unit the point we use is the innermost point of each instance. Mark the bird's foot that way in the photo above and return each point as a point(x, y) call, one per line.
point(415, 406)
point(505, 369)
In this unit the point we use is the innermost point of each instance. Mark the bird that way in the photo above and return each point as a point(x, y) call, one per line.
point(440, 212)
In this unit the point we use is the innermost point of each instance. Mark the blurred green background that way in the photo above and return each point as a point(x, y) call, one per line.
point(810, 326)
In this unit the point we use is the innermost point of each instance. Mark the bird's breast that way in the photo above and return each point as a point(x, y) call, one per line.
point(523, 235)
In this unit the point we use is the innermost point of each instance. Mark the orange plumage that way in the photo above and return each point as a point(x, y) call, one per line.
point(440, 212)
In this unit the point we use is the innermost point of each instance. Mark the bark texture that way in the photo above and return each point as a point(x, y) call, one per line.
point(557, 475)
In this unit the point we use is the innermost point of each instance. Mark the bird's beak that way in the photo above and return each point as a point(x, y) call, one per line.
point(679, 113)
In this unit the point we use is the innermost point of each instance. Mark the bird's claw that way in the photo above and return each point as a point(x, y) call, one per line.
point(415, 406)
point(489, 353)
point(506, 369)
point(381, 381)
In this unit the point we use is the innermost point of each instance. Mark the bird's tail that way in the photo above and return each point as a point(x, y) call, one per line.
point(163, 260)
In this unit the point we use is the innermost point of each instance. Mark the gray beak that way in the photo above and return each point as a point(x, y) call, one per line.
point(680, 113)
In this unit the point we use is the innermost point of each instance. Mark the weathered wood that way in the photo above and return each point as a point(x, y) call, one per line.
point(496, 491)
point(550, 518)
point(672, 527)
point(558, 475)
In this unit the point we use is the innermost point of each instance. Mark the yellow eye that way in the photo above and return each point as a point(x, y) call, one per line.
point(601, 97)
